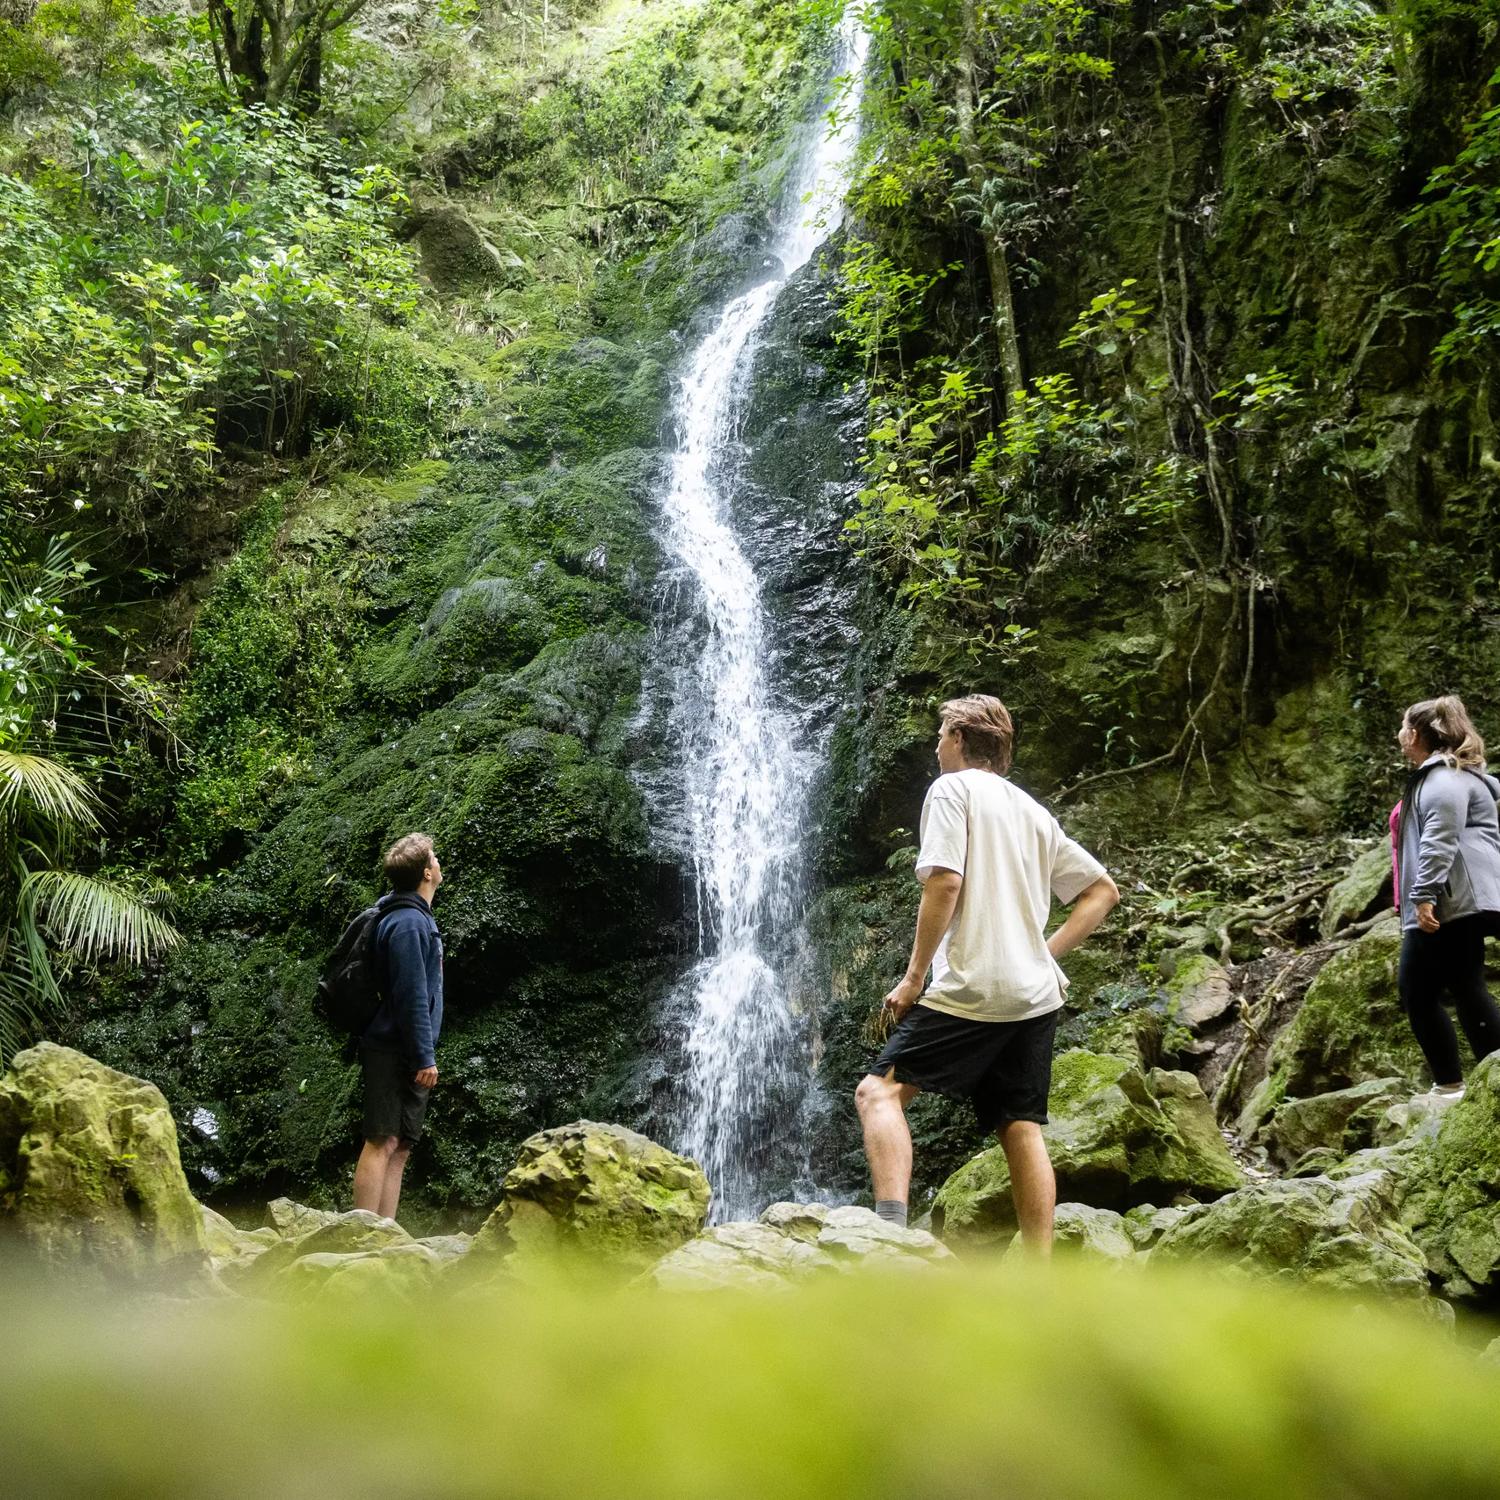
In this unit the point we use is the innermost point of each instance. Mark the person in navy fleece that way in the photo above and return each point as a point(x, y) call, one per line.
point(397, 1052)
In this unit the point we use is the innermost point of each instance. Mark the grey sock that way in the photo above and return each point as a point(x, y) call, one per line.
point(892, 1210)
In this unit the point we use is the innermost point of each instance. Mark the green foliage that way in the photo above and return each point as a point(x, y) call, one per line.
point(53, 916)
point(271, 668)
point(1462, 210)
point(174, 285)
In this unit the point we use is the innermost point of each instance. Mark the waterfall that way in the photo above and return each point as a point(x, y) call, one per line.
point(746, 761)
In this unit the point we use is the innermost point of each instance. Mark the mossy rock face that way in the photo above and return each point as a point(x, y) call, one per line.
point(90, 1180)
point(1453, 1207)
point(1342, 1234)
point(1119, 1136)
point(1349, 1029)
point(1357, 895)
point(599, 1191)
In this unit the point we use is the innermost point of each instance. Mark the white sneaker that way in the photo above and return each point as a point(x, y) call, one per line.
point(1444, 1097)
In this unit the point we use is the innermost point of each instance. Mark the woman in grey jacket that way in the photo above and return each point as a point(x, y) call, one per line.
point(1447, 849)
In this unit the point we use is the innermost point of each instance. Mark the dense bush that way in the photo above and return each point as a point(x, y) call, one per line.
point(183, 277)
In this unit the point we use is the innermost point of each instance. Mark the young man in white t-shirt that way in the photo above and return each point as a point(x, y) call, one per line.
point(991, 861)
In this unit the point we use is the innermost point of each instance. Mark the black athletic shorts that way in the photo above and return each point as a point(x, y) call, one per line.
point(1004, 1067)
point(394, 1104)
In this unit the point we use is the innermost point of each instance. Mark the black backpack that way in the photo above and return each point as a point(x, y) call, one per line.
point(349, 992)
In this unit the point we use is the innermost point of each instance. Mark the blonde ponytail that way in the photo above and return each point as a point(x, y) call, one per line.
point(1446, 729)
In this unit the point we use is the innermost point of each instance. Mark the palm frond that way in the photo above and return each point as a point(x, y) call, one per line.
point(97, 918)
point(54, 789)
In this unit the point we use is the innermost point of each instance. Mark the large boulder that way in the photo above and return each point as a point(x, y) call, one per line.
point(1342, 1233)
point(1349, 1029)
point(1453, 1204)
point(1094, 1233)
point(790, 1243)
point(358, 1232)
point(601, 1191)
point(230, 1246)
point(397, 1271)
point(90, 1180)
point(1119, 1136)
point(1199, 991)
point(1341, 1122)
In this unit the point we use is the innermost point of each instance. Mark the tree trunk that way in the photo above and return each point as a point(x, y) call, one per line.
point(1003, 307)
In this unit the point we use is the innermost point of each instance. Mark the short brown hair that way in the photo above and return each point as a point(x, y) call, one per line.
point(406, 861)
point(984, 722)
point(1446, 729)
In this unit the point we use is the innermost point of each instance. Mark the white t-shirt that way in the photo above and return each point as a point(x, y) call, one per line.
point(993, 963)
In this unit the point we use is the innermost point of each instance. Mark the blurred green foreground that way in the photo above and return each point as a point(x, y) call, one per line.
point(998, 1381)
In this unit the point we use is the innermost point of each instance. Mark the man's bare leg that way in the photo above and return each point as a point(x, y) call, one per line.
point(370, 1173)
point(1032, 1183)
point(881, 1103)
point(390, 1192)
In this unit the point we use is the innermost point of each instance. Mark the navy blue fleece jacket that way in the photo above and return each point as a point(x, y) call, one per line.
point(409, 952)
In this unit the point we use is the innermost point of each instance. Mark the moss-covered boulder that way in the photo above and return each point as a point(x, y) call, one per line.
point(792, 1242)
point(90, 1180)
point(1341, 1234)
point(1341, 1122)
point(1350, 1028)
point(599, 1191)
point(1119, 1136)
point(1365, 885)
point(1453, 1206)
point(456, 256)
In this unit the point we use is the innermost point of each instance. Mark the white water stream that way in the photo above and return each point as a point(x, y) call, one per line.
point(746, 769)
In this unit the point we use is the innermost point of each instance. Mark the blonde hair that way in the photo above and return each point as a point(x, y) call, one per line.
point(1446, 729)
point(406, 861)
point(985, 724)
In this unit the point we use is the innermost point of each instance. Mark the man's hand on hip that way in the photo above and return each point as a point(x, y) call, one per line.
point(425, 1078)
point(903, 996)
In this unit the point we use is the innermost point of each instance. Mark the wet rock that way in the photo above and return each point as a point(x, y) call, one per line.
point(791, 1242)
point(90, 1180)
point(1349, 1029)
point(597, 1190)
point(1119, 1136)
point(1343, 1121)
point(1341, 1234)
point(1453, 1205)
point(1361, 893)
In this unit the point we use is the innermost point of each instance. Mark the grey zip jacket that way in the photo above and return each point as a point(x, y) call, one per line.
point(1450, 843)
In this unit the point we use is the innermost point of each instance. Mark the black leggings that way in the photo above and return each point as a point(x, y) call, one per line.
point(1449, 961)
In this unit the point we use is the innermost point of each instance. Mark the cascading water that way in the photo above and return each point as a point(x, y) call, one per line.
point(746, 759)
